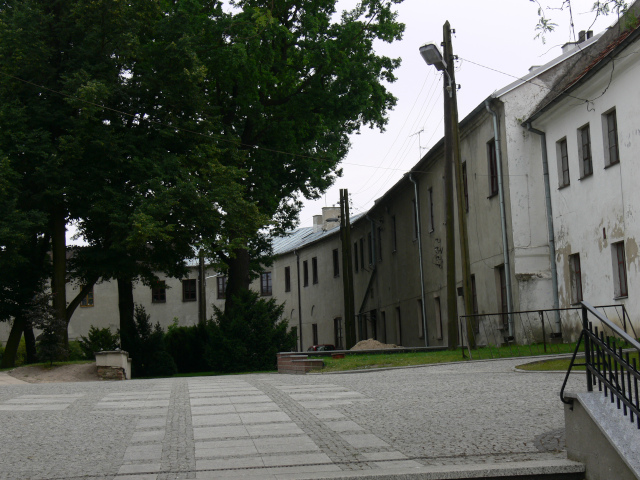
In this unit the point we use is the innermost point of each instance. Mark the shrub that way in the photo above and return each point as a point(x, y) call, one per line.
point(148, 356)
point(40, 315)
point(75, 351)
point(99, 339)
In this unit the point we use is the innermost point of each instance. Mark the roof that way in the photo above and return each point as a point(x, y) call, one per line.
point(305, 236)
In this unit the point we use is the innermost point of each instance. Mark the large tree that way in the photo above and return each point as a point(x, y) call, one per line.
point(291, 80)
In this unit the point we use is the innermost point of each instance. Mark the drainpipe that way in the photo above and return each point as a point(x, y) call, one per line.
point(295, 252)
point(552, 243)
point(503, 217)
point(424, 312)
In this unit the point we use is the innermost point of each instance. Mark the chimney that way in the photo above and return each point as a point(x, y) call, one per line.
point(581, 36)
point(330, 218)
point(589, 34)
point(317, 223)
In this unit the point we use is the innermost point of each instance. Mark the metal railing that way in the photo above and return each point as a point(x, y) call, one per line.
point(536, 331)
point(608, 362)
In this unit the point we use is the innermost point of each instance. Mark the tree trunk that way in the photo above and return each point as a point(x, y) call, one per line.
point(30, 341)
point(125, 308)
point(11, 349)
point(58, 278)
point(238, 278)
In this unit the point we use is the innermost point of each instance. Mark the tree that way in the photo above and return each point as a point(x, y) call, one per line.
point(291, 81)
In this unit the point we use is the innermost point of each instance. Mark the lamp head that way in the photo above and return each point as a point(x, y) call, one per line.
point(432, 56)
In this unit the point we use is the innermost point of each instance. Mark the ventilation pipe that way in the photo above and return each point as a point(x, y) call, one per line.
point(503, 218)
point(424, 314)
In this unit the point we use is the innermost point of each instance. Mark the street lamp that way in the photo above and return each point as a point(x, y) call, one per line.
point(432, 56)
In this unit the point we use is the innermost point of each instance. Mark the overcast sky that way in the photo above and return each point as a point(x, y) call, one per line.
point(498, 34)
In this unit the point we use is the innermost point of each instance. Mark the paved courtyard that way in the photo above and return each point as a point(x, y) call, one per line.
point(276, 426)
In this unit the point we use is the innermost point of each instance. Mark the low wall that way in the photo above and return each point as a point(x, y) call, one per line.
point(298, 364)
point(113, 365)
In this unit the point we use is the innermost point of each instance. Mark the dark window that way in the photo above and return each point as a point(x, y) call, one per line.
point(620, 270)
point(305, 273)
point(612, 138)
point(398, 326)
point(438, 318)
point(189, 289)
point(370, 245)
point(414, 211)
point(379, 243)
point(394, 242)
point(356, 263)
point(362, 253)
point(287, 279)
point(576, 278)
point(337, 333)
point(222, 286)
point(314, 329)
point(158, 292)
point(87, 301)
point(383, 325)
point(336, 263)
point(585, 151)
point(493, 167)
point(564, 163)
point(265, 283)
point(314, 269)
point(432, 225)
point(420, 320)
point(465, 187)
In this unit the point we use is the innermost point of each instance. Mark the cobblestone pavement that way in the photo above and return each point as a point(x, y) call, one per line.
point(258, 426)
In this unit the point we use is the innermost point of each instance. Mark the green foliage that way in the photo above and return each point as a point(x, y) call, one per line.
point(148, 355)
point(99, 339)
point(75, 351)
point(251, 334)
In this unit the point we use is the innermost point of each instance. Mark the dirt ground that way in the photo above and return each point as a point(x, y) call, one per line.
point(81, 372)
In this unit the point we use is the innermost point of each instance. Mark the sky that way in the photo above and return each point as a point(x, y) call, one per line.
point(496, 34)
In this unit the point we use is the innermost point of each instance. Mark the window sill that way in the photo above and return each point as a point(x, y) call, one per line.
point(585, 177)
point(492, 196)
point(87, 306)
point(189, 300)
point(612, 164)
point(621, 297)
point(561, 187)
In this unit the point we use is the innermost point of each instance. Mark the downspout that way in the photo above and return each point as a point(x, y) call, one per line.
point(424, 311)
point(551, 233)
point(503, 217)
point(295, 252)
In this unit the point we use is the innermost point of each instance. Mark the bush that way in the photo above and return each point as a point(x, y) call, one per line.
point(187, 345)
point(75, 351)
point(99, 339)
point(148, 355)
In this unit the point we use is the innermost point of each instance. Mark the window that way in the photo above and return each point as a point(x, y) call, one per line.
point(563, 163)
point(314, 329)
point(619, 270)
point(394, 243)
point(287, 279)
point(398, 326)
point(336, 263)
point(610, 130)
point(87, 301)
point(355, 257)
point(575, 274)
point(436, 301)
point(584, 151)
point(420, 320)
point(493, 167)
point(189, 289)
point(432, 225)
point(314, 269)
point(337, 333)
point(379, 243)
point(465, 187)
point(383, 325)
point(370, 245)
point(305, 273)
point(265, 284)
point(362, 253)
point(158, 292)
point(415, 218)
point(221, 286)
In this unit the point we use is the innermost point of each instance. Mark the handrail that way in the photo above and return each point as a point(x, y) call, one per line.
point(609, 366)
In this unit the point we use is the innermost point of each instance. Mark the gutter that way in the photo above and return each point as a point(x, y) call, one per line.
point(299, 299)
point(503, 218)
point(424, 312)
point(551, 233)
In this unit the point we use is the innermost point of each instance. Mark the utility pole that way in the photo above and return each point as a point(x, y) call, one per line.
point(451, 105)
point(347, 271)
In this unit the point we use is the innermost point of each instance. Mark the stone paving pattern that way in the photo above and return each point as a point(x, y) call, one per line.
point(256, 426)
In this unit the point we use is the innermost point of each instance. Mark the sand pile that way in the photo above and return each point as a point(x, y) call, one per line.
point(371, 344)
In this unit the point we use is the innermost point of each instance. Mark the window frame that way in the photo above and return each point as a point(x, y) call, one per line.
point(159, 292)
point(266, 284)
point(336, 262)
point(221, 287)
point(314, 270)
point(611, 141)
point(189, 290)
point(562, 156)
point(432, 224)
point(492, 167)
point(575, 277)
point(305, 273)
point(584, 151)
point(287, 279)
point(88, 300)
point(619, 260)
point(394, 238)
point(356, 263)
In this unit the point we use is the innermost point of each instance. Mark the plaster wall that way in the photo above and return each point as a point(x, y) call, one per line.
point(592, 213)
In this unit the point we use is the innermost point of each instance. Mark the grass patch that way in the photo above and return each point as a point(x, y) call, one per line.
point(47, 365)
point(560, 364)
point(385, 360)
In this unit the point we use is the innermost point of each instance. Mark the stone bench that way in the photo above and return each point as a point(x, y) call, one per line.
point(295, 363)
point(113, 365)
